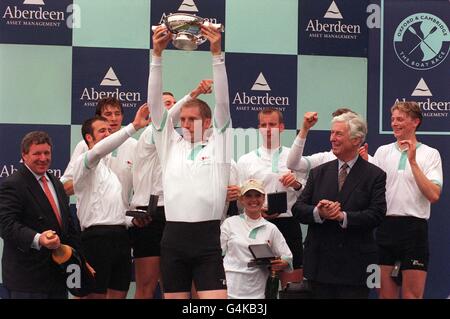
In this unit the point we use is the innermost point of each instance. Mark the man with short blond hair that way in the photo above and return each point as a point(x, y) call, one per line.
point(414, 182)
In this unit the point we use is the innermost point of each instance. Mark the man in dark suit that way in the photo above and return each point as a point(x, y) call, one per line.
point(34, 220)
point(344, 200)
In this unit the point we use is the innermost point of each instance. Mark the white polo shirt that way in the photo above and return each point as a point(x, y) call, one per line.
point(97, 187)
point(403, 196)
point(237, 233)
point(195, 175)
point(268, 166)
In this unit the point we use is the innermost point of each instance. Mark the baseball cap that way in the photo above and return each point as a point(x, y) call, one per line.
point(252, 184)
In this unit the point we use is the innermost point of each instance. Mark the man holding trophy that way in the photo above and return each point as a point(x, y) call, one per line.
point(195, 172)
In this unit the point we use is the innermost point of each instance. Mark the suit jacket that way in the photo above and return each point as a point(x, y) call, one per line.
point(333, 254)
point(25, 211)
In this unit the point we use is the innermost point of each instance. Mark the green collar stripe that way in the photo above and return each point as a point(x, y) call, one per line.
point(404, 157)
point(402, 162)
point(163, 122)
point(275, 159)
point(253, 233)
point(195, 152)
point(86, 161)
point(221, 130)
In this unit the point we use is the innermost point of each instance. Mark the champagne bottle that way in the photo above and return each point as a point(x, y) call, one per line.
point(66, 257)
point(272, 285)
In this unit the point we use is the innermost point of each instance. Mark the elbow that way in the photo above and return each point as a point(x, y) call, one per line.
point(434, 198)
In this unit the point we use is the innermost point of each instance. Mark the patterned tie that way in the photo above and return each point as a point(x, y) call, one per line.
point(342, 175)
point(49, 195)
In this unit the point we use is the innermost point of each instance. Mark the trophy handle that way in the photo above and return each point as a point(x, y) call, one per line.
point(218, 26)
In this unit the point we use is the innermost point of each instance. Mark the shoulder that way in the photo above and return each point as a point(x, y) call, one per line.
point(232, 220)
point(129, 143)
point(427, 149)
point(248, 157)
point(332, 164)
point(17, 180)
point(384, 148)
point(81, 147)
point(368, 167)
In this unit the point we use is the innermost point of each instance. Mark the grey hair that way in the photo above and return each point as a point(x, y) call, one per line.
point(356, 124)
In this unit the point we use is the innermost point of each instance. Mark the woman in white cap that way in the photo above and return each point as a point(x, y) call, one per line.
point(250, 228)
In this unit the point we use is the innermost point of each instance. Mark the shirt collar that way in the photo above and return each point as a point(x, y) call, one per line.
point(38, 177)
point(349, 163)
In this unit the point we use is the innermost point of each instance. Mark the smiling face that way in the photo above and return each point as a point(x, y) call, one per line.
point(100, 130)
point(114, 116)
point(403, 125)
point(38, 158)
point(343, 146)
point(253, 202)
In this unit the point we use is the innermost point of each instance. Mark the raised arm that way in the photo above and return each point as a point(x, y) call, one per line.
point(222, 110)
point(161, 38)
point(294, 160)
point(204, 87)
point(113, 141)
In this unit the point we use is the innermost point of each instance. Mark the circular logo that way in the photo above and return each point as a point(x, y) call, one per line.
point(422, 41)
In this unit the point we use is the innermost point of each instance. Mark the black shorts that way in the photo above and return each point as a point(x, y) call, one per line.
point(292, 232)
point(146, 241)
point(107, 250)
point(192, 252)
point(403, 239)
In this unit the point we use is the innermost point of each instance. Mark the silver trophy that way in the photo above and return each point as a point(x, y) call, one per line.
point(186, 30)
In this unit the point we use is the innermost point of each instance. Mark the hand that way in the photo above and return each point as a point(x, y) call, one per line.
point(214, 36)
point(204, 87)
point(309, 120)
point(289, 180)
point(49, 239)
point(141, 222)
point(328, 209)
point(161, 38)
point(364, 151)
point(90, 269)
point(410, 147)
point(142, 117)
point(233, 192)
point(278, 264)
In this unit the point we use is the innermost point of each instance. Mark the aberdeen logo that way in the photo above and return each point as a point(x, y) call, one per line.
point(188, 6)
point(245, 102)
point(38, 2)
point(430, 107)
point(90, 95)
point(421, 89)
point(422, 41)
point(110, 79)
point(332, 30)
point(333, 12)
point(35, 13)
point(260, 84)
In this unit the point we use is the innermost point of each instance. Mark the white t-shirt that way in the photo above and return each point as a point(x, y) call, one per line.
point(268, 166)
point(403, 196)
point(237, 233)
point(97, 187)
